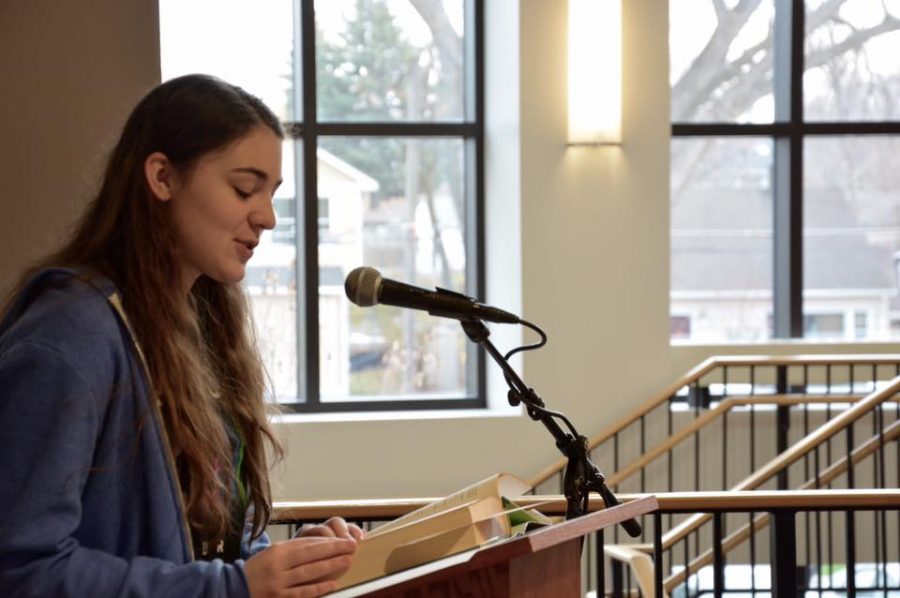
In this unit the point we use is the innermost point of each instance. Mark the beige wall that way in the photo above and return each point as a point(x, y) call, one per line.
point(70, 72)
point(583, 231)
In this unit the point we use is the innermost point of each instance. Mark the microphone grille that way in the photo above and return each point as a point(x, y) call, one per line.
point(361, 286)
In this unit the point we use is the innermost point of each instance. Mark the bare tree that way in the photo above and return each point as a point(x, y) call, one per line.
point(718, 87)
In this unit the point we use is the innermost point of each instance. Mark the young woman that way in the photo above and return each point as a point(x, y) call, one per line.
point(133, 427)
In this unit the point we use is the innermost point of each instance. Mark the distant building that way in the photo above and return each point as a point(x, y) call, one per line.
point(721, 277)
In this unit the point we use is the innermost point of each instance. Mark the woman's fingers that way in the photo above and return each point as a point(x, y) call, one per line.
point(324, 570)
point(339, 527)
point(310, 530)
point(355, 531)
point(298, 567)
point(301, 551)
point(335, 527)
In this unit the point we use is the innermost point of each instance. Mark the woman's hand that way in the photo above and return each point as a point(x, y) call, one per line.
point(335, 527)
point(299, 568)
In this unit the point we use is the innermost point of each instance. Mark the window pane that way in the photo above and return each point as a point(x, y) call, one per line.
point(271, 284)
point(851, 56)
point(851, 233)
point(396, 205)
point(721, 71)
point(721, 223)
point(246, 43)
point(384, 60)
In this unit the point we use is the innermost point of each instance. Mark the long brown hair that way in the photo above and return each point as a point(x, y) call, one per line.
point(201, 353)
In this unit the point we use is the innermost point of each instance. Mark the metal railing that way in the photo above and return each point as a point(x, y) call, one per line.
point(760, 404)
point(732, 423)
point(816, 538)
point(820, 543)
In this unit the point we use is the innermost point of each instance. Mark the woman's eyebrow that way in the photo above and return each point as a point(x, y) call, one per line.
point(255, 171)
point(249, 169)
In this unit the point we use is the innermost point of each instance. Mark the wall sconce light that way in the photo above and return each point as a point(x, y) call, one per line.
point(595, 72)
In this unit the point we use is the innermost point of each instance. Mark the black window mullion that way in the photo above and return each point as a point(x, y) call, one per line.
point(730, 130)
point(396, 129)
point(798, 27)
point(310, 203)
point(787, 188)
point(294, 131)
point(474, 54)
point(785, 129)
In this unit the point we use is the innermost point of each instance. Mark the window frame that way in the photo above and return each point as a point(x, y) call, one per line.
point(305, 131)
point(788, 133)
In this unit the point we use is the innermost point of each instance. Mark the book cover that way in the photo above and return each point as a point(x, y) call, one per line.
point(466, 519)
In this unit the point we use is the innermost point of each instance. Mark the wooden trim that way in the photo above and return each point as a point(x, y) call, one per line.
point(555, 504)
point(764, 500)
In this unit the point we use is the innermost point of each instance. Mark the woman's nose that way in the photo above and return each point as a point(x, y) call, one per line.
point(264, 215)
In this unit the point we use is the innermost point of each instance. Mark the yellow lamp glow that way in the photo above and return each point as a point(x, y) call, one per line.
point(595, 72)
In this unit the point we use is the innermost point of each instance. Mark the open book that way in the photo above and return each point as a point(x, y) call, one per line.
point(472, 517)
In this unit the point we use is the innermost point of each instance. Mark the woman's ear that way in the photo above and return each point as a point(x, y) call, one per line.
point(160, 175)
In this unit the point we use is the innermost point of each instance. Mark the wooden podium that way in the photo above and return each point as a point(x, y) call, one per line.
point(545, 562)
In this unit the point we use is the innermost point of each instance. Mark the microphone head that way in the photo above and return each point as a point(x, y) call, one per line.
point(361, 286)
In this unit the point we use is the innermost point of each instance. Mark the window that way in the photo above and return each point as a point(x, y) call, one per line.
point(382, 100)
point(784, 197)
point(823, 326)
point(680, 327)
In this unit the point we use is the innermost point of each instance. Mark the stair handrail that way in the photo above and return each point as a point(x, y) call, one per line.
point(826, 476)
point(796, 451)
point(698, 372)
point(723, 407)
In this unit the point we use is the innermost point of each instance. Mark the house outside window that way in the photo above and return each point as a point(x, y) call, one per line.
point(784, 192)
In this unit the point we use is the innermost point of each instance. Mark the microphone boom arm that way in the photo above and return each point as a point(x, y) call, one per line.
point(581, 475)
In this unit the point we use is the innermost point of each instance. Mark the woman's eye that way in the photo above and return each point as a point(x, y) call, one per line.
point(242, 194)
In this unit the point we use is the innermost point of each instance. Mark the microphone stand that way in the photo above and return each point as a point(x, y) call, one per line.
point(581, 475)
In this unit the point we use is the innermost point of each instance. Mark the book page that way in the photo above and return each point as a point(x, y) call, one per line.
point(457, 516)
point(497, 486)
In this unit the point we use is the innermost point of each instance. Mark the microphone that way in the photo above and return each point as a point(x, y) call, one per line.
point(365, 287)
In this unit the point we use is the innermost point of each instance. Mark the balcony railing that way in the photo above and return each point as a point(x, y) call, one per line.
point(854, 530)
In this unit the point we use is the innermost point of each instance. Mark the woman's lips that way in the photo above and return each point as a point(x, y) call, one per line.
point(244, 250)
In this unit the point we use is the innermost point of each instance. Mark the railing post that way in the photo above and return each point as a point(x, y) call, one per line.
point(618, 589)
point(718, 557)
point(600, 564)
point(783, 422)
point(850, 541)
point(783, 553)
point(657, 555)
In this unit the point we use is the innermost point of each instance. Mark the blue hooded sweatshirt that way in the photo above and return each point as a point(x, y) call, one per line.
point(89, 499)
